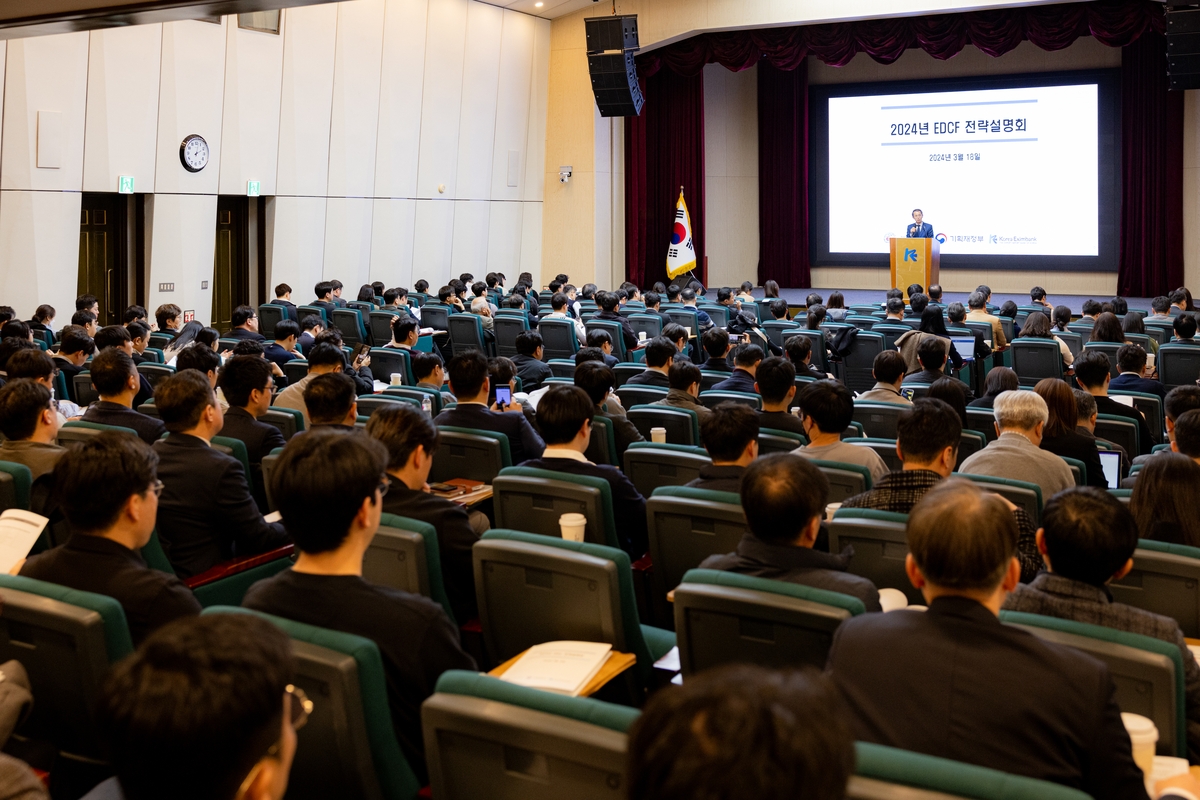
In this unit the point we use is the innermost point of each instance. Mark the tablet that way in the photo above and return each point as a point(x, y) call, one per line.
point(1111, 461)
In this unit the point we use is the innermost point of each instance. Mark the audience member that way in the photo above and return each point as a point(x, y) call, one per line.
point(949, 392)
point(684, 382)
point(607, 302)
point(565, 416)
point(331, 401)
point(798, 349)
point(530, 368)
point(243, 324)
point(888, 370)
point(283, 349)
point(1093, 375)
point(1059, 436)
point(977, 305)
point(74, 348)
point(1021, 419)
point(784, 499)
point(775, 382)
point(206, 513)
point(600, 340)
point(310, 328)
point(1184, 327)
point(745, 361)
point(1131, 363)
point(998, 381)
point(678, 335)
point(246, 382)
point(1037, 326)
point(469, 383)
point(116, 379)
point(1087, 539)
point(742, 731)
point(38, 366)
point(168, 318)
point(660, 352)
point(826, 409)
point(901, 674)
point(323, 359)
point(109, 492)
point(559, 304)
point(716, 345)
point(597, 380)
point(1163, 497)
point(730, 435)
point(30, 426)
point(931, 355)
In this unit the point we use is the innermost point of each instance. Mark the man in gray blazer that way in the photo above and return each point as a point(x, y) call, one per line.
point(1020, 418)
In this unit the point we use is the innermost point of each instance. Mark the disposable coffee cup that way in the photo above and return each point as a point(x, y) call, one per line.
point(397, 379)
point(573, 526)
point(1144, 737)
point(658, 435)
point(831, 509)
point(641, 336)
point(688, 328)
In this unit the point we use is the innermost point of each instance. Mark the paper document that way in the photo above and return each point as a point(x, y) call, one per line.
point(562, 667)
point(19, 529)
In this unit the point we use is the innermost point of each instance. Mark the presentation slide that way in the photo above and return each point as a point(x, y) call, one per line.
point(996, 172)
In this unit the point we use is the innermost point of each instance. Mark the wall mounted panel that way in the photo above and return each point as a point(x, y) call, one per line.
point(190, 101)
point(250, 124)
point(306, 103)
point(401, 85)
point(355, 122)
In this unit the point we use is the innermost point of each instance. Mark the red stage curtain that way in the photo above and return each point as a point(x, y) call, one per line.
point(783, 175)
point(664, 149)
point(1151, 172)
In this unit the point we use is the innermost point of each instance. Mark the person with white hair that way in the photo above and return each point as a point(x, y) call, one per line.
point(483, 309)
point(1021, 417)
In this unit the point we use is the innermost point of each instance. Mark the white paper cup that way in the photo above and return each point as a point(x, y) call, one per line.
point(831, 509)
point(688, 328)
point(641, 336)
point(573, 526)
point(658, 435)
point(1144, 736)
point(397, 379)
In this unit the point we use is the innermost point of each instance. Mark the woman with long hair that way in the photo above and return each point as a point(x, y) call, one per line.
point(1009, 309)
point(746, 292)
point(1107, 329)
point(1059, 435)
point(770, 290)
point(999, 380)
point(1163, 497)
point(366, 294)
point(1133, 324)
point(185, 336)
point(1038, 327)
point(934, 323)
point(949, 391)
point(1062, 318)
point(837, 307)
point(816, 315)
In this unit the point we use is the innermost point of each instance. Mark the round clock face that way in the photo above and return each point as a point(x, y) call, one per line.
point(193, 153)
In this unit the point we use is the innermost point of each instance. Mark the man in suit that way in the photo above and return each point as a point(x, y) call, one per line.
point(977, 305)
point(168, 318)
point(530, 368)
point(654, 307)
point(331, 402)
point(745, 362)
point(775, 382)
point(283, 297)
point(1021, 418)
point(703, 320)
point(324, 298)
point(30, 426)
point(954, 682)
point(1087, 539)
point(931, 354)
point(730, 435)
point(74, 348)
point(246, 382)
point(206, 513)
point(139, 338)
point(660, 353)
point(827, 408)
point(411, 439)
point(608, 301)
point(684, 377)
point(716, 347)
point(283, 349)
point(116, 379)
point(598, 381)
point(119, 337)
point(560, 305)
point(323, 358)
point(1131, 363)
point(335, 293)
point(784, 499)
point(244, 324)
point(109, 494)
point(565, 417)
point(919, 229)
point(1093, 374)
point(888, 370)
point(469, 383)
point(1184, 328)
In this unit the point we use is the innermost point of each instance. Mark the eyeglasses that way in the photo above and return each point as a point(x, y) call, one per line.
point(383, 487)
point(299, 707)
point(157, 488)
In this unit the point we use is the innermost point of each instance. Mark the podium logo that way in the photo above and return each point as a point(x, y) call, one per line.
point(910, 255)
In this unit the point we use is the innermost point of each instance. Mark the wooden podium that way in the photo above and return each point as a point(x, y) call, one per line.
point(914, 261)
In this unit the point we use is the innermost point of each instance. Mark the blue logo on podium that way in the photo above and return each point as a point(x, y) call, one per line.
point(910, 255)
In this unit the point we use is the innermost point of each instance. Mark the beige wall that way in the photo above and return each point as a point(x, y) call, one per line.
point(731, 174)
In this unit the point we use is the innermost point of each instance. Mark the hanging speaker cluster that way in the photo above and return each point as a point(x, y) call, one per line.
point(611, 43)
point(1183, 45)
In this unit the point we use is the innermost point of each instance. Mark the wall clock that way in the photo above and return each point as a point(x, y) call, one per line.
point(193, 153)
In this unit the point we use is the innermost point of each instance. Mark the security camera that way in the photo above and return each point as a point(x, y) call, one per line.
point(564, 174)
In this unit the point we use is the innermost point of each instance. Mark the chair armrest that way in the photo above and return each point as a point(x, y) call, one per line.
point(234, 566)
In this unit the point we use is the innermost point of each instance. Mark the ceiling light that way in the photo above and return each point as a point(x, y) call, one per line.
point(538, 5)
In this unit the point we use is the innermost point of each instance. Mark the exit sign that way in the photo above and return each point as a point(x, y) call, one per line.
point(253, 189)
point(125, 184)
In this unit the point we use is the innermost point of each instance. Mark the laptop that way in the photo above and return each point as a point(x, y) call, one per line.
point(965, 345)
point(1111, 461)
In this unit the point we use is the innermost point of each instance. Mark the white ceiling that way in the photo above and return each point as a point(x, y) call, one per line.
point(546, 9)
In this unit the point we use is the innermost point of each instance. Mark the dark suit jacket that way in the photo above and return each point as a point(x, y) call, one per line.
point(304, 343)
point(929, 376)
point(649, 378)
point(292, 313)
point(631, 340)
point(329, 307)
point(260, 439)
point(531, 372)
point(69, 372)
point(739, 381)
point(150, 429)
point(715, 364)
point(956, 683)
point(276, 354)
point(1129, 382)
point(206, 514)
point(629, 507)
point(243, 333)
point(1072, 445)
point(523, 440)
point(915, 231)
point(719, 479)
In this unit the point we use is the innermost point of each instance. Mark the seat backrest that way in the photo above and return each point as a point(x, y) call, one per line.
point(1024, 494)
point(388, 361)
point(1178, 364)
point(559, 339)
point(507, 328)
point(295, 370)
point(970, 442)
point(1119, 430)
point(562, 367)
point(879, 420)
point(1073, 341)
point(420, 394)
point(476, 455)
point(858, 363)
point(625, 370)
point(319, 311)
point(718, 314)
point(891, 331)
point(1151, 407)
point(682, 424)
point(79, 431)
point(368, 404)
point(379, 326)
point(845, 480)
point(1165, 579)
point(982, 420)
point(534, 499)
point(405, 555)
point(884, 448)
point(817, 338)
point(348, 748)
point(283, 418)
point(84, 393)
point(66, 640)
point(1159, 333)
point(466, 333)
point(436, 316)
point(724, 617)
point(602, 447)
point(685, 317)
point(649, 466)
point(1147, 672)
point(1034, 359)
point(16, 482)
point(639, 394)
point(485, 737)
point(227, 343)
point(615, 331)
point(779, 330)
point(649, 324)
point(1110, 349)
point(771, 440)
point(880, 547)
point(710, 378)
point(713, 398)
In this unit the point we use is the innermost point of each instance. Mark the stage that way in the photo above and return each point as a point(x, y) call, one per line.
point(795, 297)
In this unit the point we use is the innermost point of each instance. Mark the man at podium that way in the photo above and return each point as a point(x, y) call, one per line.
point(919, 229)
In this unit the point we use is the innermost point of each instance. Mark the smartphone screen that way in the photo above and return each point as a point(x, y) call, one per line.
point(361, 349)
point(908, 394)
point(734, 338)
point(503, 395)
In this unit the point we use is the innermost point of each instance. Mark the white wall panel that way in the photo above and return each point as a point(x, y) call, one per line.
point(190, 100)
point(432, 241)
point(182, 243)
point(504, 238)
point(392, 231)
point(348, 242)
point(513, 87)
point(401, 85)
point(39, 247)
point(355, 121)
point(441, 98)
point(477, 124)
point(531, 243)
point(469, 253)
point(250, 122)
point(539, 98)
point(296, 249)
point(122, 107)
point(45, 73)
point(308, 49)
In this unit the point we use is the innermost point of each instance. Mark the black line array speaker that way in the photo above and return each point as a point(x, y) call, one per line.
point(1183, 46)
point(611, 43)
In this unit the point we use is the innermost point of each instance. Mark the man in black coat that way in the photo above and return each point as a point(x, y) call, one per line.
point(660, 352)
point(246, 382)
point(244, 324)
point(530, 368)
point(469, 383)
point(116, 379)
